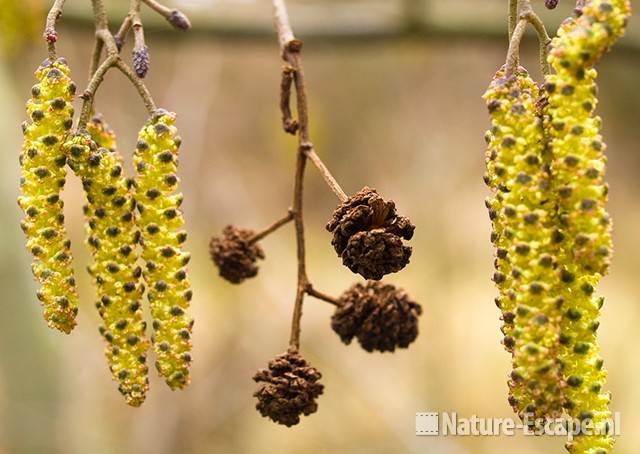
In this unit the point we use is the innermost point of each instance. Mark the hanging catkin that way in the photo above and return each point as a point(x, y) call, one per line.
point(524, 235)
point(578, 169)
point(43, 173)
point(112, 237)
point(160, 221)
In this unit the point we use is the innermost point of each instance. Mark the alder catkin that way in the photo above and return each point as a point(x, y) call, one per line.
point(112, 237)
point(43, 173)
point(523, 219)
point(160, 221)
point(578, 167)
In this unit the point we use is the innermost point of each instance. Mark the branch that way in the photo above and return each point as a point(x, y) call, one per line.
point(513, 17)
point(513, 55)
point(527, 16)
point(97, 71)
point(272, 228)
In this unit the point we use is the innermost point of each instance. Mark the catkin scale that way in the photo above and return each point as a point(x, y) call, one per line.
point(43, 173)
point(578, 167)
point(112, 237)
point(160, 221)
point(523, 219)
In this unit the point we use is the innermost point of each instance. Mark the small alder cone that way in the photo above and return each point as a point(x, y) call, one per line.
point(288, 388)
point(160, 221)
point(524, 234)
point(381, 316)
point(235, 255)
point(112, 237)
point(42, 163)
point(578, 168)
point(368, 235)
point(141, 61)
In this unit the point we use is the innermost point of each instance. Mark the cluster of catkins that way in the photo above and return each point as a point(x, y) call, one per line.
point(121, 214)
point(369, 236)
point(545, 166)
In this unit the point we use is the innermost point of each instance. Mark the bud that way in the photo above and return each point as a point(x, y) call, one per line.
point(141, 61)
point(179, 20)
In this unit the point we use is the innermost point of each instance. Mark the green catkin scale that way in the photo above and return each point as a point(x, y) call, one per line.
point(43, 173)
point(160, 221)
point(578, 169)
point(523, 234)
point(112, 238)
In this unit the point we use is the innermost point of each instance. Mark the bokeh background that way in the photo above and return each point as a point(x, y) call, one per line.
point(395, 104)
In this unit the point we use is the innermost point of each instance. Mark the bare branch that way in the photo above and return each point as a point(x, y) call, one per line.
point(272, 228)
point(50, 35)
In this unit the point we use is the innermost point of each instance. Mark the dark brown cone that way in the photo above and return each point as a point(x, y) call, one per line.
point(288, 388)
point(234, 254)
point(381, 316)
point(368, 234)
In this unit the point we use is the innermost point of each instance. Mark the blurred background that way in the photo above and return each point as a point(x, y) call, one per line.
point(395, 103)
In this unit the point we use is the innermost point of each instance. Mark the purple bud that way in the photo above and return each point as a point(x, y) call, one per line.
point(141, 61)
point(550, 4)
point(179, 20)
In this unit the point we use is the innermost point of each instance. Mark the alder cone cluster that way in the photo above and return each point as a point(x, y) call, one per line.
point(381, 316)
point(288, 388)
point(235, 255)
point(368, 234)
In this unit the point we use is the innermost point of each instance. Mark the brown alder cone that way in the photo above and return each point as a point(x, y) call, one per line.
point(288, 388)
point(235, 255)
point(381, 316)
point(368, 235)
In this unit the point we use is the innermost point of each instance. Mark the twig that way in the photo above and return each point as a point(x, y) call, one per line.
point(321, 296)
point(543, 38)
point(104, 39)
point(50, 35)
point(89, 92)
point(527, 16)
point(272, 228)
point(293, 75)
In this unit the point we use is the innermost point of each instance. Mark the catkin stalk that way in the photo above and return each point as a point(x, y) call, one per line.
point(43, 174)
point(112, 237)
point(160, 221)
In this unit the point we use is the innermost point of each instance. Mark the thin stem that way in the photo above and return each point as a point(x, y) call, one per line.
point(123, 31)
point(50, 34)
point(514, 47)
point(321, 296)
point(175, 17)
point(98, 45)
point(543, 39)
point(143, 91)
point(89, 93)
point(272, 228)
point(290, 51)
point(328, 178)
point(513, 17)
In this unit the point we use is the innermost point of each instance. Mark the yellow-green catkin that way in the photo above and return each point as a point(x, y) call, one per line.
point(43, 174)
point(112, 237)
point(160, 221)
point(523, 218)
point(102, 134)
point(578, 170)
